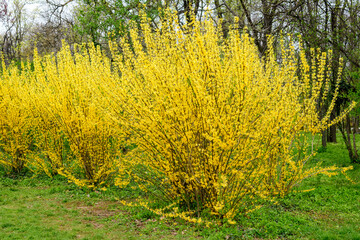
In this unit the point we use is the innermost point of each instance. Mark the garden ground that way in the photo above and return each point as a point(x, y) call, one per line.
point(44, 208)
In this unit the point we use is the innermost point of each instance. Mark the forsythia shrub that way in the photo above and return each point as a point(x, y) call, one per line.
point(56, 101)
point(17, 131)
point(72, 118)
point(217, 127)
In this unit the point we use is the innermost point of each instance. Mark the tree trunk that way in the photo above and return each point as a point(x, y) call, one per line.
point(332, 130)
point(356, 125)
point(324, 138)
point(350, 144)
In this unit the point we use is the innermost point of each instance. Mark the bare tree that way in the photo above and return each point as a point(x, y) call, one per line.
point(16, 25)
point(262, 17)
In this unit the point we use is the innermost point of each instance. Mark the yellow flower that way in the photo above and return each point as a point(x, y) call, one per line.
point(230, 221)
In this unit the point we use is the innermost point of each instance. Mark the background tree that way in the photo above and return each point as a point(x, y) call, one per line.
point(16, 24)
point(261, 17)
point(334, 25)
point(57, 24)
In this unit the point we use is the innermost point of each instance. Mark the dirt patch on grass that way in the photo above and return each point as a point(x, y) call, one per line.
point(329, 218)
point(101, 209)
point(93, 212)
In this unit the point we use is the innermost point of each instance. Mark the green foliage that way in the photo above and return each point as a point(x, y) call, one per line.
point(97, 19)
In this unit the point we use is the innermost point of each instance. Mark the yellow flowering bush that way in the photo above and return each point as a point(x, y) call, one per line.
point(217, 127)
point(56, 96)
point(17, 131)
point(67, 100)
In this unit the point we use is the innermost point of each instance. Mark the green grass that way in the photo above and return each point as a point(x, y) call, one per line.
point(43, 208)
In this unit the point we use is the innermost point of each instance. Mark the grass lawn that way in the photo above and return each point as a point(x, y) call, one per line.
point(43, 208)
